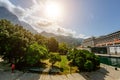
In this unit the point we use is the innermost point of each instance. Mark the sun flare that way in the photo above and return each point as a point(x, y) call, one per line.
point(53, 10)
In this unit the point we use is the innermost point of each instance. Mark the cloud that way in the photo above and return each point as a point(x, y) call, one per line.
point(44, 23)
point(18, 11)
point(82, 36)
point(66, 32)
point(34, 15)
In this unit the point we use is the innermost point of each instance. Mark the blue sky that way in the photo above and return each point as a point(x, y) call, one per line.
point(95, 17)
point(82, 18)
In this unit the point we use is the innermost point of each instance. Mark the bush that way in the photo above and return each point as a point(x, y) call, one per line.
point(54, 58)
point(88, 65)
point(79, 61)
point(84, 60)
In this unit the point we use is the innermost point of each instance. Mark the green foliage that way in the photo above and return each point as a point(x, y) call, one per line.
point(88, 65)
point(15, 41)
point(70, 55)
point(52, 45)
point(36, 52)
point(79, 61)
point(54, 58)
point(84, 59)
point(63, 49)
point(21, 46)
point(64, 63)
point(40, 39)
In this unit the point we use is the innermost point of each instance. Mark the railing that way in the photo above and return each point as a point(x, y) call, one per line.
point(110, 60)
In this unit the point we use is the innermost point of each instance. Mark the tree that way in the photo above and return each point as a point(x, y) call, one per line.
point(4, 36)
point(35, 53)
point(52, 45)
point(54, 58)
point(13, 41)
point(6, 43)
point(63, 49)
point(40, 39)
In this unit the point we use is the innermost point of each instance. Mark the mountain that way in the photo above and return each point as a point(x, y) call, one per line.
point(66, 39)
point(6, 14)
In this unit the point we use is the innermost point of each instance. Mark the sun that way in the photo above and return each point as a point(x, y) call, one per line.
point(53, 10)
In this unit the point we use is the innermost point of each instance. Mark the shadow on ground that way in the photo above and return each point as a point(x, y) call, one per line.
point(4, 66)
point(6, 73)
point(55, 70)
point(96, 75)
point(38, 69)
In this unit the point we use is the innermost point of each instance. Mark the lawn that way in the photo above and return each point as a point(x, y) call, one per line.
point(63, 65)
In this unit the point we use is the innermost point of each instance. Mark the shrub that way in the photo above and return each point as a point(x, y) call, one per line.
point(88, 65)
point(54, 58)
point(79, 61)
point(84, 59)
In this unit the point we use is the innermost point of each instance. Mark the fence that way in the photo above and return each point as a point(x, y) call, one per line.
point(113, 61)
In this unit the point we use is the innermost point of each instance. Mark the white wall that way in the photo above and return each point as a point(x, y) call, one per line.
point(114, 50)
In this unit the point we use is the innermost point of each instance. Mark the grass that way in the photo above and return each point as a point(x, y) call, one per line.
point(47, 62)
point(63, 64)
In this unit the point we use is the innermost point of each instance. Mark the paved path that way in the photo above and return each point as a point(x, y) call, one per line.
point(7, 75)
point(34, 76)
point(104, 73)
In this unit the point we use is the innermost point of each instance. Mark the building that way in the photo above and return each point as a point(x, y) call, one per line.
point(90, 42)
point(111, 42)
point(112, 39)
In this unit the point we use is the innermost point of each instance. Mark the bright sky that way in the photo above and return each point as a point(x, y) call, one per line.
point(80, 18)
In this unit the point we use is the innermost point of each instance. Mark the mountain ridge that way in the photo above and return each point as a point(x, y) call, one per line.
point(66, 39)
point(6, 14)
